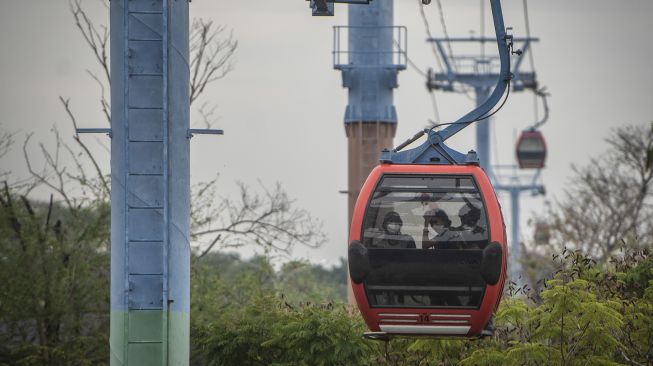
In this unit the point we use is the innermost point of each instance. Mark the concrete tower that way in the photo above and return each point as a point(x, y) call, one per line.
point(374, 54)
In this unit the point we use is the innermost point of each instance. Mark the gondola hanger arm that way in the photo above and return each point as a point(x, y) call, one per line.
point(542, 94)
point(433, 150)
point(505, 48)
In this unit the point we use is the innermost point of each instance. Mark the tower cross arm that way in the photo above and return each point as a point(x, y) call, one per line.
point(504, 42)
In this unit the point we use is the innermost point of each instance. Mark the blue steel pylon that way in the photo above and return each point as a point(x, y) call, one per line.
point(150, 182)
point(478, 73)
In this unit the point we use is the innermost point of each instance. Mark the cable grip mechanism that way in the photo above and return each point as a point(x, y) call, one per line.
point(509, 39)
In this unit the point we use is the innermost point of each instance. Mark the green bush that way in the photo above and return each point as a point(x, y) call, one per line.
point(587, 314)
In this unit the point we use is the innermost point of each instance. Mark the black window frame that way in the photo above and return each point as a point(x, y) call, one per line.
point(377, 188)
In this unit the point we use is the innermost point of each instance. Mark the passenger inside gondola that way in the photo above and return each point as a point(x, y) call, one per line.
point(472, 233)
point(391, 236)
point(440, 224)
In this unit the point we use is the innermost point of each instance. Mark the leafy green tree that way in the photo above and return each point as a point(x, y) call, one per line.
point(588, 313)
point(222, 282)
point(54, 270)
point(318, 335)
point(272, 332)
point(632, 283)
point(301, 281)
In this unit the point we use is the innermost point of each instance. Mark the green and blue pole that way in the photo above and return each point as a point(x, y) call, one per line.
point(150, 183)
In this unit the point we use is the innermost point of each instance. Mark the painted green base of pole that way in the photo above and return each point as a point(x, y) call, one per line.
point(149, 338)
point(179, 335)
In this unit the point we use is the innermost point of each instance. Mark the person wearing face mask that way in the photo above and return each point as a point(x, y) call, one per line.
point(440, 224)
point(392, 238)
point(471, 231)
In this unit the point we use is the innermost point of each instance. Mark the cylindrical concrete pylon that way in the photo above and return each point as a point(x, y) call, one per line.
point(370, 76)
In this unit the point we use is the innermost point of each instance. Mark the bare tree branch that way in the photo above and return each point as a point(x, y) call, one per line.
point(211, 55)
point(208, 249)
point(267, 220)
point(609, 200)
point(89, 155)
point(104, 103)
point(208, 114)
point(96, 37)
point(45, 176)
point(6, 143)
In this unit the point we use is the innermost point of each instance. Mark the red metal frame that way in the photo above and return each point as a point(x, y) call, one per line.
point(529, 134)
point(444, 317)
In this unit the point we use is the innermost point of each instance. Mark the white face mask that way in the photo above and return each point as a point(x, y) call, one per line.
point(438, 228)
point(393, 228)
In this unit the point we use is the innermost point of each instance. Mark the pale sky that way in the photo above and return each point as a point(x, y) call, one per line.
point(282, 107)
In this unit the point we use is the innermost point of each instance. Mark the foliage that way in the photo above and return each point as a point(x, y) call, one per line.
point(245, 312)
point(221, 282)
point(609, 201)
point(587, 314)
point(270, 331)
point(239, 306)
point(54, 264)
point(301, 281)
point(54, 269)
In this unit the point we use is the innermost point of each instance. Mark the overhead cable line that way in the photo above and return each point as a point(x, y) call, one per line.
point(536, 107)
point(434, 103)
point(482, 28)
point(436, 110)
point(445, 32)
point(495, 152)
point(429, 34)
point(527, 25)
point(418, 70)
point(495, 147)
point(528, 33)
point(413, 65)
point(409, 61)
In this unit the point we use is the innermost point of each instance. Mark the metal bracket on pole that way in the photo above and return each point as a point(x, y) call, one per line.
point(94, 130)
point(203, 131)
point(325, 7)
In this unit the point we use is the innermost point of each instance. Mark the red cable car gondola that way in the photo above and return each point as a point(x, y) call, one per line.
point(542, 232)
point(440, 270)
point(531, 147)
point(531, 150)
point(427, 241)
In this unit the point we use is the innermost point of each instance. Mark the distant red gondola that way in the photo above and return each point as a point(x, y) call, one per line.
point(542, 232)
point(531, 150)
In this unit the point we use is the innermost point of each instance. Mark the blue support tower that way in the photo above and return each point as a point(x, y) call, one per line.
point(369, 52)
point(478, 72)
point(150, 183)
point(370, 71)
point(515, 188)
